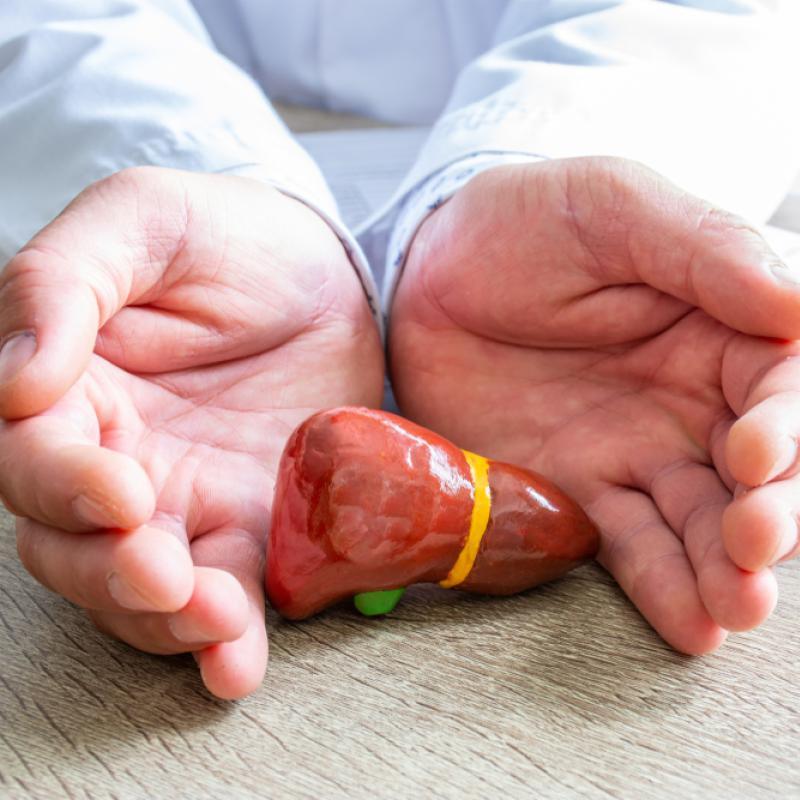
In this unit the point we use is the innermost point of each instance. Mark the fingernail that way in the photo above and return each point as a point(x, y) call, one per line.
point(15, 353)
point(185, 630)
point(126, 595)
point(92, 513)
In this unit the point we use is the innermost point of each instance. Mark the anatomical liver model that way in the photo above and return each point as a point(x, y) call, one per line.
point(367, 503)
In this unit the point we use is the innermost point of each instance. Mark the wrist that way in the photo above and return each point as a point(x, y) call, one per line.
point(312, 192)
point(427, 198)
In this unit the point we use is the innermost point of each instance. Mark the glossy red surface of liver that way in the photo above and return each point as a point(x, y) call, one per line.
point(366, 500)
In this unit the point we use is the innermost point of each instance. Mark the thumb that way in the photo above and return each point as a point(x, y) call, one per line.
point(640, 228)
point(48, 326)
point(108, 247)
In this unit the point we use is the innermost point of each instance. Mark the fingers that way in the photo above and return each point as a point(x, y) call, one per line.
point(231, 670)
point(638, 227)
point(737, 599)
point(692, 500)
point(216, 612)
point(141, 570)
point(759, 528)
point(65, 481)
point(143, 587)
point(222, 623)
point(651, 566)
point(762, 445)
point(761, 381)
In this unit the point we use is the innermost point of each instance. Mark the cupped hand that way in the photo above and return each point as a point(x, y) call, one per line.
point(160, 340)
point(592, 321)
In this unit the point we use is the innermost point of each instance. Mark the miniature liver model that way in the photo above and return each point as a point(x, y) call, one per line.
point(367, 502)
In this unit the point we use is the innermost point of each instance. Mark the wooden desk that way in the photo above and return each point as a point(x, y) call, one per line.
point(564, 692)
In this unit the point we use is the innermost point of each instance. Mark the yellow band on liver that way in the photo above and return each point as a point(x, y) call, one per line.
point(481, 508)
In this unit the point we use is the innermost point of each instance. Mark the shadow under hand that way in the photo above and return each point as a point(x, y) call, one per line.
point(69, 694)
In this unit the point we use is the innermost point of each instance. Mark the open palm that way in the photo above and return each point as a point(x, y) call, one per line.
point(591, 321)
point(227, 314)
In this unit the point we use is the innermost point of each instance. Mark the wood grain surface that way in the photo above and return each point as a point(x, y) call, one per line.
point(563, 692)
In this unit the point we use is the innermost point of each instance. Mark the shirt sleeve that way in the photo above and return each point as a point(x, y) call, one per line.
point(699, 90)
point(89, 88)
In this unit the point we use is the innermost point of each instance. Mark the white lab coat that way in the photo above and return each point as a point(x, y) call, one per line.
point(704, 91)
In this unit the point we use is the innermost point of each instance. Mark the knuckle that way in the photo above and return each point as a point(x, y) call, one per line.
point(150, 198)
point(113, 191)
point(621, 173)
point(712, 219)
point(130, 179)
point(619, 187)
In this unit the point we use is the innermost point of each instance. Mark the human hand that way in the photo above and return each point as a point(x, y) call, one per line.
point(142, 458)
point(589, 320)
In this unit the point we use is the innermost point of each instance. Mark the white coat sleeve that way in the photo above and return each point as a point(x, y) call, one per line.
point(88, 88)
point(700, 90)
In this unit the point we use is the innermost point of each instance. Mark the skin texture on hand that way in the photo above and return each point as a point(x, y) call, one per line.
point(175, 328)
point(589, 320)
